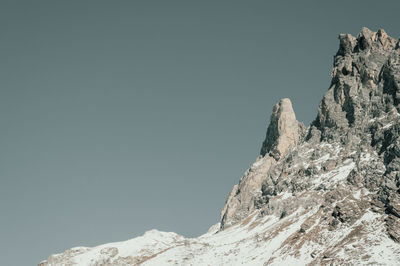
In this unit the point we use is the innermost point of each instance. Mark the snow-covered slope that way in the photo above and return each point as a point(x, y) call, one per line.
point(269, 240)
point(328, 194)
point(297, 235)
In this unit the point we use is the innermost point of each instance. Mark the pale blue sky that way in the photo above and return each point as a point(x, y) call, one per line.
point(118, 117)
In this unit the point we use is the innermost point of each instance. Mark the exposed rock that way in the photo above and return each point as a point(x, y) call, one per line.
point(353, 145)
point(283, 132)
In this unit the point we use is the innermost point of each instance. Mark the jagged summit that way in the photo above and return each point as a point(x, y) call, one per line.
point(365, 40)
point(328, 194)
point(359, 77)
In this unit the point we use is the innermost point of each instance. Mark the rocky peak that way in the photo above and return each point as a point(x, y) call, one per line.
point(360, 65)
point(283, 132)
point(365, 40)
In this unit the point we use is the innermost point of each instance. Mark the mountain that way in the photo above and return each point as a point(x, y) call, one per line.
point(324, 194)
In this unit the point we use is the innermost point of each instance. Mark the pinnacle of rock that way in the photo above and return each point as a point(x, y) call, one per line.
point(283, 131)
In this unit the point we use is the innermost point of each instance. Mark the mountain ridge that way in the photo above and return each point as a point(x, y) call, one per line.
point(325, 194)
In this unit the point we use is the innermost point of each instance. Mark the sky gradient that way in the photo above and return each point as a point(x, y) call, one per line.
point(118, 117)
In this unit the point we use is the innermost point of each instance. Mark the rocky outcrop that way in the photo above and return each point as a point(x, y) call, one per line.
point(325, 195)
point(358, 70)
point(283, 133)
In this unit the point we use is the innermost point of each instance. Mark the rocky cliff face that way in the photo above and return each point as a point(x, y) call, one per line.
point(326, 194)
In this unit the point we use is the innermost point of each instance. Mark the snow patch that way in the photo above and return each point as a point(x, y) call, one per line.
point(387, 126)
point(365, 157)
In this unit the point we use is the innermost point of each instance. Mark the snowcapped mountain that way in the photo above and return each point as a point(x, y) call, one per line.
point(324, 194)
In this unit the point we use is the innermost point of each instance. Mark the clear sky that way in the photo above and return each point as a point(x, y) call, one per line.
point(118, 117)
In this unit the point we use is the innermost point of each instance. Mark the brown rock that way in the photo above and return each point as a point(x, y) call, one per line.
point(283, 131)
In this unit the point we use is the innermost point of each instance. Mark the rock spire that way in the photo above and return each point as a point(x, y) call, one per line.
point(283, 132)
